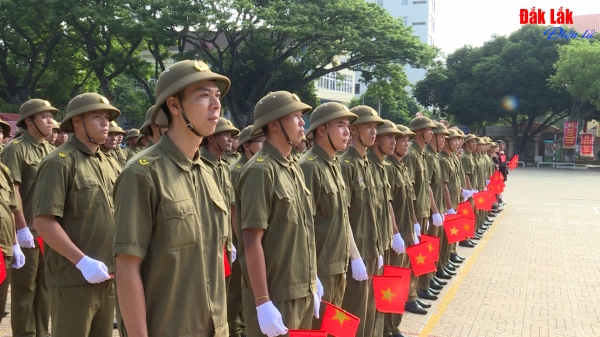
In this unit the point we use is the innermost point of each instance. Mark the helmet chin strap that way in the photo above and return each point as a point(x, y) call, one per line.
point(329, 138)
point(186, 120)
point(38, 129)
point(289, 142)
point(90, 139)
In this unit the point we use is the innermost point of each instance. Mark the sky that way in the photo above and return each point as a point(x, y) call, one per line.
point(472, 22)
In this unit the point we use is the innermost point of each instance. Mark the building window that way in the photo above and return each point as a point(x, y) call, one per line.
point(419, 2)
point(357, 89)
point(405, 21)
point(404, 2)
point(337, 82)
point(432, 24)
point(419, 23)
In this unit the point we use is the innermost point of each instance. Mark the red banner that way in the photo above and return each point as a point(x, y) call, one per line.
point(587, 145)
point(570, 136)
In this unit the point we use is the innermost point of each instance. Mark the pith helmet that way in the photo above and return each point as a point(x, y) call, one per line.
point(274, 106)
point(481, 141)
point(32, 107)
point(225, 125)
point(133, 133)
point(453, 134)
point(366, 114)
point(494, 144)
point(85, 103)
point(181, 75)
point(5, 128)
point(138, 141)
point(440, 129)
point(114, 127)
point(55, 125)
point(469, 137)
point(420, 123)
point(246, 136)
point(327, 112)
point(389, 127)
point(405, 131)
point(161, 121)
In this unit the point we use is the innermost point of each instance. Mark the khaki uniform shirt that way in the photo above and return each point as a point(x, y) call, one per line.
point(8, 205)
point(75, 185)
point(235, 169)
point(461, 172)
point(271, 195)
point(131, 152)
point(450, 175)
point(23, 157)
point(403, 198)
point(382, 197)
point(468, 165)
point(169, 212)
point(358, 177)
point(435, 178)
point(324, 180)
point(419, 176)
point(478, 172)
point(232, 157)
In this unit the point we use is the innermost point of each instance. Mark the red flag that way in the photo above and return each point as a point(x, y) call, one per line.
point(307, 333)
point(512, 164)
point(338, 322)
point(454, 230)
point(2, 267)
point(388, 291)
point(40, 242)
point(226, 261)
point(402, 272)
point(484, 200)
point(433, 246)
point(465, 209)
point(420, 260)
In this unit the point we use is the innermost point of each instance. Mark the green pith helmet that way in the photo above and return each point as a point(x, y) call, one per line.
point(494, 144)
point(453, 134)
point(85, 103)
point(440, 129)
point(5, 128)
point(327, 112)
point(366, 114)
point(225, 124)
point(246, 136)
point(32, 107)
point(389, 127)
point(469, 137)
point(138, 141)
point(55, 125)
point(405, 131)
point(274, 106)
point(133, 133)
point(161, 121)
point(420, 123)
point(181, 75)
point(114, 127)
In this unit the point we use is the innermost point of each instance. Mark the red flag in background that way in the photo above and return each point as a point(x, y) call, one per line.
point(433, 246)
point(402, 272)
point(388, 291)
point(338, 322)
point(484, 200)
point(512, 164)
point(420, 260)
point(226, 261)
point(465, 209)
point(307, 333)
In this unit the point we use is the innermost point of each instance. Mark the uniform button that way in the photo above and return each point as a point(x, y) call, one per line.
point(208, 281)
point(181, 212)
point(213, 311)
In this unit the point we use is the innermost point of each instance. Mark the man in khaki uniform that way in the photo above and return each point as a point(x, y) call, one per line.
point(358, 177)
point(169, 214)
point(29, 294)
point(154, 131)
point(329, 127)
point(51, 138)
point(248, 146)
point(274, 214)
point(61, 137)
point(110, 145)
point(468, 167)
point(73, 212)
point(4, 135)
point(233, 155)
point(131, 139)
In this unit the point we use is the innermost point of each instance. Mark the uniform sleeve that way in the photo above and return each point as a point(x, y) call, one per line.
point(136, 205)
point(256, 193)
point(53, 181)
point(411, 165)
point(312, 180)
point(13, 159)
point(13, 203)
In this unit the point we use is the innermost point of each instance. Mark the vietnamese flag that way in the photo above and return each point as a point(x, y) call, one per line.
point(512, 164)
point(484, 200)
point(454, 229)
point(465, 209)
point(420, 259)
point(402, 272)
point(433, 246)
point(2, 268)
point(307, 333)
point(389, 291)
point(40, 242)
point(338, 322)
point(226, 261)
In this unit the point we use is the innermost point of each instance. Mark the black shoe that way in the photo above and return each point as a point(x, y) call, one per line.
point(423, 304)
point(397, 334)
point(442, 274)
point(452, 264)
point(435, 285)
point(479, 232)
point(476, 237)
point(449, 272)
point(433, 291)
point(472, 242)
point(426, 295)
point(466, 243)
point(450, 268)
point(415, 308)
point(439, 281)
point(455, 259)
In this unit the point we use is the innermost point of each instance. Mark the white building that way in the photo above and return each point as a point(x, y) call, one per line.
point(420, 14)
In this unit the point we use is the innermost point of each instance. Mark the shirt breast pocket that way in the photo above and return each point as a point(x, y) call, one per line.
point(180, 223)
point(89, 193)
point(285, 206)
point(331, 196)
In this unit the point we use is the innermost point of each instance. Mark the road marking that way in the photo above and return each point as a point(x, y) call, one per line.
point(596, 210)
point(435, 318)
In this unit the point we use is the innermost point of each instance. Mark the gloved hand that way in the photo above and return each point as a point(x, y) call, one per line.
point(25, 238)
point(475, 191)
point(233, 254)
point(317, 305)
point(417, 232)
point(487, 182)
point(451, 211)
point(94, 271)
point(269, 320)
point(359, 270)
point(466, 194)
point(18, 256)
point(320, 290)
point(379, 262)
point(437, 219)
point(485, 188)
point(398, 244)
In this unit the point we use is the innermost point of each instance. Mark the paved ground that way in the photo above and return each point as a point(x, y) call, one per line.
point(536, 271)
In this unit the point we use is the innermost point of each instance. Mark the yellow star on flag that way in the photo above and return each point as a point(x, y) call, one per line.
point(340, 316)
point(454, 231)
point(465, 212)
point(467, 227)
point(430, 247)
point(387, 294)
point(420, 259)
point(480, 200)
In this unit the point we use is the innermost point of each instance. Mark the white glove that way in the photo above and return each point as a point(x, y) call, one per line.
point(359, 270)
point(94, 271)
point(269, 320)
point(475, 191)
point(320, 290)
point(466, 194)
point(487, 182)
point(451, 211)
point(25, 238)
point(18, 256)
point(233, 254)
point(317, 306)
point(417, 232)
point(485, 188)
point(398, 244)
point(416, 240)
point(379, 262)
point(437, 219)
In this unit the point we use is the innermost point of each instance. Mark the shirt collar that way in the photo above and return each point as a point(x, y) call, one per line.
point(273, 152)
point(208, 156)
point(430, 149)
point(394, 160)
point(175, 154)
point(29, 138)
point(79, 145)
point(416, 147)
point(373, 157)
point(319, 151)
